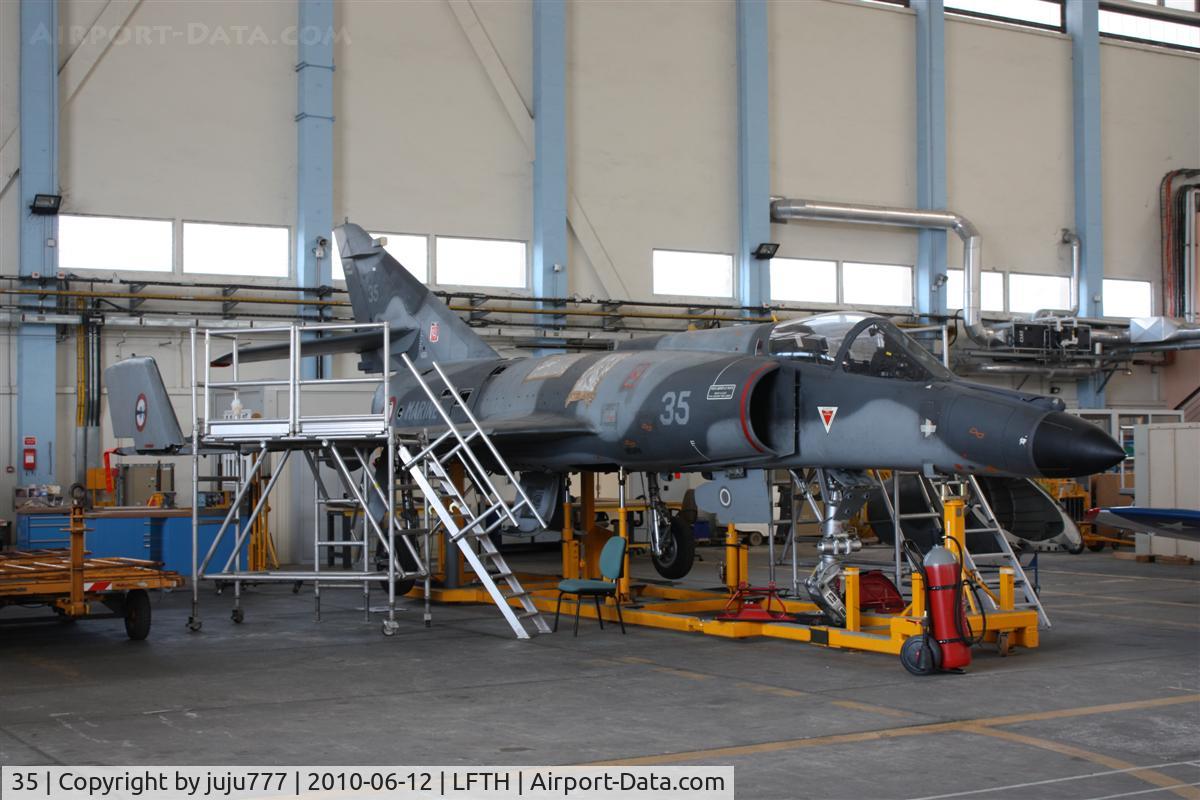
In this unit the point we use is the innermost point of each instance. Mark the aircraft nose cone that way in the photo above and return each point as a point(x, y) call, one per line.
point(1065, 446)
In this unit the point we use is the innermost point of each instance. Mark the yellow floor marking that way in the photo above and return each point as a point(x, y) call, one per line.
point(66, 670)
point(734, 751)
point(1154, 578)
point(1155, 623)
point(1164, 782)
point(682, 673)
point(766, 688)
point(887, 712)
point(1126, 599)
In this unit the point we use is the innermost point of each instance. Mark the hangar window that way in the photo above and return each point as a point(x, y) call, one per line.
point(1149, 26)
point(255, 251)
point(481, 262)
point(1030, 293)
point(690, 274)
point(115, 243)
point(410, 250)
point(1128, 298)
point(1036, 13)
point(803, 280)
point(876, 284)
point(992, 290)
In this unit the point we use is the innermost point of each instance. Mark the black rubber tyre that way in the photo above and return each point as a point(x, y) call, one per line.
point(756, 539)
point(679, 552)
point(404, 559)
point(137, 614)
point(1096, 547)
point(921, 655)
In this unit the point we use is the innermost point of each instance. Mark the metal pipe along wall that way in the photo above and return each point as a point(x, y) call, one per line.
point(786, 209)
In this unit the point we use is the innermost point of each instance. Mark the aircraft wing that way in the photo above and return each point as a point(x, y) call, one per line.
point(531, 426)
point(357, 342)
point(1175, 523)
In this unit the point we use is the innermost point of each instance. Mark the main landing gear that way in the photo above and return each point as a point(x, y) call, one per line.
point(672, 545)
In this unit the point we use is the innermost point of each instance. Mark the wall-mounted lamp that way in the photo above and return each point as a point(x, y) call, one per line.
point(46, 205)
point(766, 251)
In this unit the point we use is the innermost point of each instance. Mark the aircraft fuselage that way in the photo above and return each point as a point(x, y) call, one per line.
point(686, 410)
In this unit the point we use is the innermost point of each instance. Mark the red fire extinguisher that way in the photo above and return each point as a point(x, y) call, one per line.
point(947, 607)
point(946, 638)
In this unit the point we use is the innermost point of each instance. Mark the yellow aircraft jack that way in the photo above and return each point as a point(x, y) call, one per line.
point(695, 610)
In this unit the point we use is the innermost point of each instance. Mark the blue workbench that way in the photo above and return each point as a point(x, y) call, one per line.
point(155, 534)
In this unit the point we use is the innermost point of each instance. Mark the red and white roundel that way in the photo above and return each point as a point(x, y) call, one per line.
point(139, 412)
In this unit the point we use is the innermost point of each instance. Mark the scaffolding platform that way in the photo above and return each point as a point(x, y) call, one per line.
point(406, 489)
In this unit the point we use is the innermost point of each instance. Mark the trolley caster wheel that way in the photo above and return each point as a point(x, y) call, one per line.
point(194, 624)
point(238, 616)
point(137, 614)
point(389, 628)
point(921, 655)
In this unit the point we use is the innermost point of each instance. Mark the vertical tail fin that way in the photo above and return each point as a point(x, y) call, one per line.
point(381, 290)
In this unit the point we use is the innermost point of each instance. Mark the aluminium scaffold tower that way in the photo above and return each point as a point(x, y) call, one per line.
point(393, 544)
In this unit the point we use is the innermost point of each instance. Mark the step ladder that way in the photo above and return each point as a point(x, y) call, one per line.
point(980, 519)
point(470, 525)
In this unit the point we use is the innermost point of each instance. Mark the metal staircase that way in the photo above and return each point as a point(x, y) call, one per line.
point(471, 525)
point(981, 519)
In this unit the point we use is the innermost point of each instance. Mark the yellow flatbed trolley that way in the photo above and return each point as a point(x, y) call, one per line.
point(78, 587)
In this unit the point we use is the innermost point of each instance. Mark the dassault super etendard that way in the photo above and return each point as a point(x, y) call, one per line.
point(843, 392)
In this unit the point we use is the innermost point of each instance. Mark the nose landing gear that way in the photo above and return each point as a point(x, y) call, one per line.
point(843, 493)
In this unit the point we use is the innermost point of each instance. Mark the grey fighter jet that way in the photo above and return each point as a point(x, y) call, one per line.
point(842, 392)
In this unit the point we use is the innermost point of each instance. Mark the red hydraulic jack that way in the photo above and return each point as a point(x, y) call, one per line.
point(753, 604)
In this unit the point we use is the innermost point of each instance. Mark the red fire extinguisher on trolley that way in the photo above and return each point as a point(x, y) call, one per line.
point(945, 644)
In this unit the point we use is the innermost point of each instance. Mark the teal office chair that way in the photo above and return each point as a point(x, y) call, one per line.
point(612, 566)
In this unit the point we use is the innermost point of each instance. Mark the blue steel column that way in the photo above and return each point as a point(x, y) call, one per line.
point(550, 149)
point(36, 364)
point(754, 152)
point(314, 163)
point(1083, 25)
point(931, 152)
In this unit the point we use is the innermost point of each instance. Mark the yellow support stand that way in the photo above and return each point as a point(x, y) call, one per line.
point(1008, 591)
point(918, 595)
point(737, 560)
point(624, 592)
point(850, 576)
point(570, 545)
point(691, 610)
point(955, 521)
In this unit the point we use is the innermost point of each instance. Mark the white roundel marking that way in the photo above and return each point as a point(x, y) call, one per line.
point(139, 412)
point(725, 497)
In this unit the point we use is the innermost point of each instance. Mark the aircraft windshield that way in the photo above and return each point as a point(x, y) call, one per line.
point(857, 343)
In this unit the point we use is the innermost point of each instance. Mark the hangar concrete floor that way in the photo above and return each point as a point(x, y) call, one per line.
point(1108, 707)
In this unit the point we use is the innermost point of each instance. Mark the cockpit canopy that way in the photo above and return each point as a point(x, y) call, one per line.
point(857, 343)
